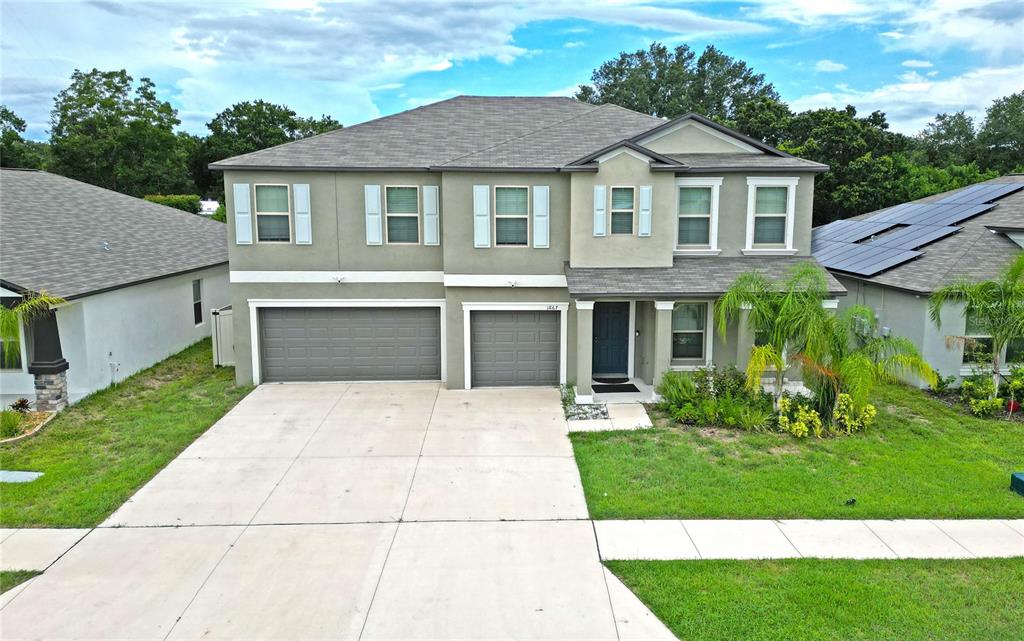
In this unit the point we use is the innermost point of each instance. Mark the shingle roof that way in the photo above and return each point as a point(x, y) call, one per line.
point(710, 162)
point(687, 277)
point(54, 230)
point(975, 252)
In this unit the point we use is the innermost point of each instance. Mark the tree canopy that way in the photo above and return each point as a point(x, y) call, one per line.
point(15, 151)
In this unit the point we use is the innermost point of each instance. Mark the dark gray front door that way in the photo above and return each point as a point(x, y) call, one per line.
point(350, 344)
point(611, 338)
point(514, 348)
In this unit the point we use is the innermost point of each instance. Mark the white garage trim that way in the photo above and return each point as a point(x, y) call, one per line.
point(563, 314)
point(274, 276)
point(255, 304)
point(505, 280)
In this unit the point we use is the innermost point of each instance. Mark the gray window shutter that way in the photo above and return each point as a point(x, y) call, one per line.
point(600, 210)
point(303, 216)
point(431, 215)
point(541, 217)
point(243, 215)
point(371, 197)
point(481, 216)
point(646, 193)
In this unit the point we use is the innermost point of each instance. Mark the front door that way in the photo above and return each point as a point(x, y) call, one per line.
point(611, 338)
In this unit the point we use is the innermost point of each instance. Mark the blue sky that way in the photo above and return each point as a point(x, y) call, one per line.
point(361, 59)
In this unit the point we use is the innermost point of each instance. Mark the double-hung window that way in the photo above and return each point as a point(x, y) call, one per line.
point(402, 208)
point(511, 216)
point(694, 217)
point(623, 205)
point(689, 327)
point(978, 343)
point(273, 214)
point(197, 301)
point(770, 214)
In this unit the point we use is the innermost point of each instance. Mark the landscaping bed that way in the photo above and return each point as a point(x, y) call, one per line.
point(17, 424)
point(804, 599)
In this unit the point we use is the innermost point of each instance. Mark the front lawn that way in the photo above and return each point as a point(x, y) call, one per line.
point(804, 599)
point(12, 578)
point(98, 452)
point(921, 459)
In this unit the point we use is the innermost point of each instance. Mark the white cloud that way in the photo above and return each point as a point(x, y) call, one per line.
point(917, 64)
point(893, 35)
point(829, 66)
point(914, 101)
point(814, 12)
point(574, 44)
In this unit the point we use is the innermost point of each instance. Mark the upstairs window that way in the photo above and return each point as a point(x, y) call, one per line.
point(273, 214)
point(511, 216)
point(771, 206)
point(622, 210)
point(694, 217)
point(689, 322)
point(197, 302)
point(402, 208)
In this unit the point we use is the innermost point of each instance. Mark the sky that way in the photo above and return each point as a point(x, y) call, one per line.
point(362, 59)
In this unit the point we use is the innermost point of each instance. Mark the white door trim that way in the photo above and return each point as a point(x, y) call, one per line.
point(255, 304)
point(563, 313)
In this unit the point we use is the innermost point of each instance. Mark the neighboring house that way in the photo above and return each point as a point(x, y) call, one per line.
point(505, 241)
point(893, 259)
point(140, 280)
point(208, 207)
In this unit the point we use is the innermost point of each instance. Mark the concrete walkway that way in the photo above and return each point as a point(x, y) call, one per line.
point(834, 539)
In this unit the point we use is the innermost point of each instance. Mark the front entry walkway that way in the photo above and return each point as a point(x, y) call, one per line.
point(335, 511)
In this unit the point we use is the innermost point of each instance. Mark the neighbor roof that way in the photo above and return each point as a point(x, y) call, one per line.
point(481, 133)
point(978, 251)
point(73, 239)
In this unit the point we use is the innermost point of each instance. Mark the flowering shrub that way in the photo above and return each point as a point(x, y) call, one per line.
point(799, 419)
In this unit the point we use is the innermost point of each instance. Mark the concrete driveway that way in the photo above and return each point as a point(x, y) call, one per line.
point(363, 511)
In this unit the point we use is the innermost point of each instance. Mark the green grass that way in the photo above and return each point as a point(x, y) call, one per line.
point(805, 599)
point(98, 452)
point(11, 578)
point(922, 459)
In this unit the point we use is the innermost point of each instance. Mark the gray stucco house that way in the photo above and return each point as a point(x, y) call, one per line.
point(505, 241)
point(972, 233)
point(140, 280)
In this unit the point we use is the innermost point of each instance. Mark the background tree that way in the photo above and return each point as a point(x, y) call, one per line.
point(949, 139)
point(766, 119)
point(15, 151)
point(668, 83)
point(1001, 139)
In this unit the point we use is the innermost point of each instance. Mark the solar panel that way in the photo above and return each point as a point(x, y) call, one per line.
point(851, 231)
point(984, 193)
point(913, 236)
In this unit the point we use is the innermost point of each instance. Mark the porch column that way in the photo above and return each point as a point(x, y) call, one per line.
point(662, 338)
point(744, 338)
point(47, 365)
point(584, 347)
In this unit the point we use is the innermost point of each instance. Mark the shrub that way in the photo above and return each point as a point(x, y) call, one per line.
point(221, 215)
point(184, 202)
point(986, 407)
point(677, 389)
point(977, 388)
point(755, 419)
point(22, 405)
point(10, 423)
point(798, 418)
point(943, 384)
point(847, 418)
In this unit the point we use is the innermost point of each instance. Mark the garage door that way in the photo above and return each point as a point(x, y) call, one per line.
point(514, 348)
point(350, 344)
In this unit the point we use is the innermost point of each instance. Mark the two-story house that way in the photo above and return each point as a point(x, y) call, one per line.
point(505, 241)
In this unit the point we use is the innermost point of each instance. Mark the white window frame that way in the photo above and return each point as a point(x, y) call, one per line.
point(715, 184)
point(256, 214)
point(688, 364)
point(753, 183)
point(418, 216)
point(528, 215)
point(612, 212)
point(563, 317)
point(202, 312)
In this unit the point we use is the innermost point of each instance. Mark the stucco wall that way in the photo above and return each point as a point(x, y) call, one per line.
point(694, 138)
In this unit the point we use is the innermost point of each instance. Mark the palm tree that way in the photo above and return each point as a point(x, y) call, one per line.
point(786, 316)
point(995, 307)
point(29, 308)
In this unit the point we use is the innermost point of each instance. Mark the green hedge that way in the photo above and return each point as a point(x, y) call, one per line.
point(184, 202)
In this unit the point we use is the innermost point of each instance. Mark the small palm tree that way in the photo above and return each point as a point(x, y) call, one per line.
point(29, 308)
point(995, 307)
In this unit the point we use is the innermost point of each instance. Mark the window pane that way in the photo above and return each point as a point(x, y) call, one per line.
point(403, 229)
point(197, 312)
point(273, 228)
point(978, 350)
point(769, 230)
point(622, 198)
point(511, 201)
point(1015, 351)
point(695, 200)
point(402, 200)
point(271, 199)
point(14, 349)
point(197, 290)
point(622, 222)
point(771, 200)
point(694, 231)
point(688, 345)
point(510, 231)
point(974, 327)
point(689, 316)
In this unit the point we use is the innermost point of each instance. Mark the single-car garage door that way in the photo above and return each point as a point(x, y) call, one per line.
point(350, 344)
point(514, 348)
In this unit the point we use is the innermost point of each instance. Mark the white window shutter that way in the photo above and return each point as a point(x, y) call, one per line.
point(431, 214)
point(600, 210)
point(541, 216)
point(646, 194)
point(371, 198)
point(243, 215)
point(481, 216)
point(303, 216)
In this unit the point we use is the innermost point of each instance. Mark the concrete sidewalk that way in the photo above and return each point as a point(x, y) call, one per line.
point(830, 539)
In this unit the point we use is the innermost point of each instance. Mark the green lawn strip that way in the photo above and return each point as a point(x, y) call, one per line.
point(921, 459)
point(98, 452)
point(11, 578)
point(805, 599)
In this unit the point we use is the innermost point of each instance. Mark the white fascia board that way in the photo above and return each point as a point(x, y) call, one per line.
point(505, 280)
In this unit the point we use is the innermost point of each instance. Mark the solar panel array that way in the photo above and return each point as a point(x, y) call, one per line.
point(894, 236)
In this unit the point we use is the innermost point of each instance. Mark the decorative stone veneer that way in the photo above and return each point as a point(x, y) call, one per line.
point(51, 392)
